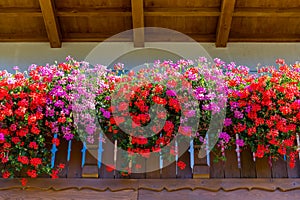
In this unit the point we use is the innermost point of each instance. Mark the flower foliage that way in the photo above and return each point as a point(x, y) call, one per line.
point(264, 109)
point(24, 138)
point(146, 109)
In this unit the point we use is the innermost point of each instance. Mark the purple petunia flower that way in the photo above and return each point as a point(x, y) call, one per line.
point(171, 93)
point(202, 59)
point(191, 113)
point(68, 136)
point(238, 114)
point(234, 105)
point(219, 62)
point(240, 142)
point(11, 81)
point(227, 122)
point(248, 109)
point(90, 139)
point(32, 67)
point(66, 111)
point(201, 139)
point(90, 129)
point(50, 112)
point(214, 108)
point(69, 87)
point(205, 107)
point(2, 137)
point(192, 76)
point(59, 104)
point(66, 130)
point(224, 136)
point(200, 90)
point(106, 114)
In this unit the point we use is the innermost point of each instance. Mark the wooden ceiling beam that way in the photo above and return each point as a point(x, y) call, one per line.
point(137, 9)
point(224, 23)
point(51, 23)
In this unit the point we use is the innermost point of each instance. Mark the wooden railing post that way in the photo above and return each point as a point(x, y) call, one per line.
point(201, 168)
point(90, 161)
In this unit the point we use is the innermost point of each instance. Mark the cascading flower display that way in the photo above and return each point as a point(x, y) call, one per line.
point(146, 109)
point(149, 106)
point(264, 109)
point(24, 138)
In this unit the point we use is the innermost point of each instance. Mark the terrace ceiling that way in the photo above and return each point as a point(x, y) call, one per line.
point(218, 21)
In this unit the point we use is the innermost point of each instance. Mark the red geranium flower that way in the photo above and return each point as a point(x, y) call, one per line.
point(23, 159)
point(35, 162)
point(32, 173)
point(55, 141)
point(181, 165)
point(6, 174)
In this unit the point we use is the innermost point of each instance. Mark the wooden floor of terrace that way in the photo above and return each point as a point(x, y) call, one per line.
point(259, 189)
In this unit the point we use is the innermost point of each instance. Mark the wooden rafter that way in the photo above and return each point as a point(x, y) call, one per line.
point(224, 23)
point(51, 23)
point(137, 7)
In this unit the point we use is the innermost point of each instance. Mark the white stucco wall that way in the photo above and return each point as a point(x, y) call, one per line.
point(250, 54)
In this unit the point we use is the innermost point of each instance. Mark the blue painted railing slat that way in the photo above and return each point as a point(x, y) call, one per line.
point(53, 151)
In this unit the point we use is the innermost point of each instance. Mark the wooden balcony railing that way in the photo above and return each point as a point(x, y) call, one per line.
point(81, 162)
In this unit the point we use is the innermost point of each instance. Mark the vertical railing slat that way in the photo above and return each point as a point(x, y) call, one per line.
point(100, 151)
point(83, 152)
point(53, 151)
point(69, 150)
point(192, 154)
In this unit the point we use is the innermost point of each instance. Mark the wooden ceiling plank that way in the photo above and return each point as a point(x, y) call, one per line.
point(224, 23)
point(18, 12)
point(137, 7)
point(186, 12)
point(162, 12)
point(266, 12)
point(98, 12)
point(153, 12)
point(269, 40)
point(51, 23)
point(21, 37)
point(99, 37)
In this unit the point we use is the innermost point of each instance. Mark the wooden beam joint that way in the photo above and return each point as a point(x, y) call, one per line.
point(51, 23)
